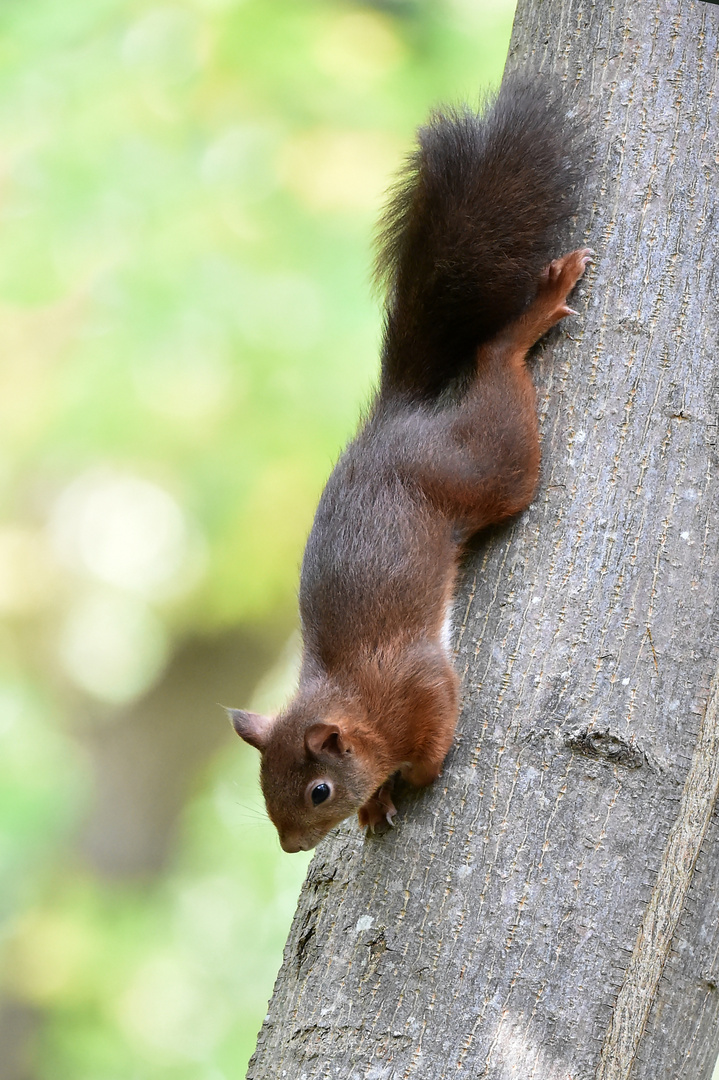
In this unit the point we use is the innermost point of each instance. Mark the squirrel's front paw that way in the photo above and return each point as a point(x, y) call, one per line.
point(378, 810)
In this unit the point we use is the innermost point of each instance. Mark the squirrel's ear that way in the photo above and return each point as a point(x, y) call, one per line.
point(251, 726)
point(326, 739)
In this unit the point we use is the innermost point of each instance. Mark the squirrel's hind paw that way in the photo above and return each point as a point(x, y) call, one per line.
point(562, 275)
point(555, 284)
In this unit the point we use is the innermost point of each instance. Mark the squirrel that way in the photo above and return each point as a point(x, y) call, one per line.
point(449, 446)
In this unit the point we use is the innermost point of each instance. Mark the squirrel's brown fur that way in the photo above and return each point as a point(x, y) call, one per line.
point(450, 446)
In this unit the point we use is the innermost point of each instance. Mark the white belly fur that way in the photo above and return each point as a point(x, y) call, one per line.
point(445, 634)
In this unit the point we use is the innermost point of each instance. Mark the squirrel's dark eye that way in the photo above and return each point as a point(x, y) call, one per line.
point(320, 792)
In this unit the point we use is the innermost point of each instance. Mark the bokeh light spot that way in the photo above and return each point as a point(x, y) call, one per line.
point(113, 646)
point(123, 530)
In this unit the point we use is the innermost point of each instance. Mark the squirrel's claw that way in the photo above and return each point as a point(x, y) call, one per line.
point(378, 809)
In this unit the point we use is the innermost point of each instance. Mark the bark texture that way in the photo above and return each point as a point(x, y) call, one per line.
point(540, 913)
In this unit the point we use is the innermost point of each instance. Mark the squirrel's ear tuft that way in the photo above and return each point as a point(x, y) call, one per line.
point(252, 727)
point(326, 740)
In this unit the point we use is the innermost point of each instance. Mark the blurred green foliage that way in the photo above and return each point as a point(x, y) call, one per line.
point(188, 194)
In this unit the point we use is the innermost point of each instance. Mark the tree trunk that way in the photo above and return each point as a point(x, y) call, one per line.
point(540, 912)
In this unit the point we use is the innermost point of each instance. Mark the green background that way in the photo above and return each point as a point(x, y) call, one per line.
point(187, 333)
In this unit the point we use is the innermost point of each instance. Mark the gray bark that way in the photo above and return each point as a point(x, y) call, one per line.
point(540, 912)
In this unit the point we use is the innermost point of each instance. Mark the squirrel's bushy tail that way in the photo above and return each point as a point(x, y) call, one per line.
point(470, 224)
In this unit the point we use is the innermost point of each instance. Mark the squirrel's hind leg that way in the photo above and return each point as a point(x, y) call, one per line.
point(489, 467)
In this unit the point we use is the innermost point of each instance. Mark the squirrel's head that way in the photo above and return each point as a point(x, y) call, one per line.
point(316, 768)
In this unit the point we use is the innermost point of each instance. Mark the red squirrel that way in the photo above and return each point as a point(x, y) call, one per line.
point(450, 445)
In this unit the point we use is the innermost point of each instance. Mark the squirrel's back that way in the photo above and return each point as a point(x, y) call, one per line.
point(470, 224)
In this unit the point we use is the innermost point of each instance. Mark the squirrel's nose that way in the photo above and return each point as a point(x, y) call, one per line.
point(292, 842)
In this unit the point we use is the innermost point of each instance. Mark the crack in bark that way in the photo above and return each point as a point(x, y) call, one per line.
point(667, 901)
